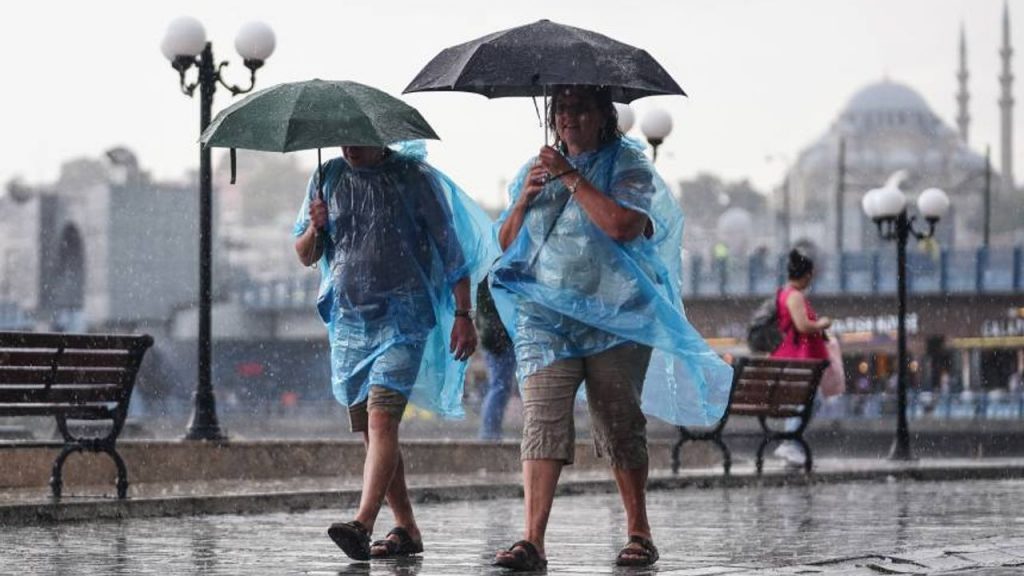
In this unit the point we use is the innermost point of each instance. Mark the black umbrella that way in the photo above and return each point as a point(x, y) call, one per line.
point(527, 60)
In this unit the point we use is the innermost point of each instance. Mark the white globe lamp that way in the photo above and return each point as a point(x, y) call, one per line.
point(255, 42)
point(933, 204)
point(890, 202)
point(656, 126)
point(626, 117)
point(185, 37)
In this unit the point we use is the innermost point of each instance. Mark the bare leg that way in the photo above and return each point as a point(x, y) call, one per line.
point(632, 485)
point(548, 398)
point(540, 478)
point(383, 461)
point(398, 500)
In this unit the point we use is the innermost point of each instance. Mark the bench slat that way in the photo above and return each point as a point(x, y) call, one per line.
point(62, 376)
point(787, 375)
point(780, 362)
point(75, 394)
point(761, 410)
point(78, 411)
point(771, 394)
point(78, 341)
point(791, 393)
point(76, 358)
point(750, 393)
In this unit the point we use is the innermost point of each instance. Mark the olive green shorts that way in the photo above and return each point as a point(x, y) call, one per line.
point(614, 381)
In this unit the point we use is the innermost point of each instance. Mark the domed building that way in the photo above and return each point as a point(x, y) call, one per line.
point(885, 127)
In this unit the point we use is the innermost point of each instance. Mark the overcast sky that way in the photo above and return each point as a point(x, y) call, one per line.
point(765, 78)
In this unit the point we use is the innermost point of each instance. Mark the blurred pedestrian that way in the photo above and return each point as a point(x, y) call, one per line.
point(803, 334)
point(500, 357)
point(395, 295)
point(592, 238)
point(1015, 383)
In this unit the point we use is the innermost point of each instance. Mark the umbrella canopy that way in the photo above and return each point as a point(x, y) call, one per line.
point(524, 61)
point(316, 114)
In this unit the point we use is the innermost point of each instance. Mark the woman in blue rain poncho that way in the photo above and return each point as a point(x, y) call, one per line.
point(399, 246)
point(589, 285)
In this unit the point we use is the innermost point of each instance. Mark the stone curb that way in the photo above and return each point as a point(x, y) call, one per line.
point(298, 501)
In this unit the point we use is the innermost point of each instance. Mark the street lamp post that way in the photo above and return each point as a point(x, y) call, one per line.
point(185, 46)
point(887, 207)
point(656, 126)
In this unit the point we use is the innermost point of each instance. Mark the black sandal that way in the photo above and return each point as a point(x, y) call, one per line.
point(352, 537)
point(522, 556)
point(645, 555)
point(403, 546)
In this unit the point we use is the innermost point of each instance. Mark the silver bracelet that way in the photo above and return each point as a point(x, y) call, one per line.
point(575, 184)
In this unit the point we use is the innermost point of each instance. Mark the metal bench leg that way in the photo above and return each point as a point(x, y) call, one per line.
point(684, 437)
point(808, 459)
point(122, 472)
point(676, 463)
point(726, 455)
point(56, 476)
point(759, 462)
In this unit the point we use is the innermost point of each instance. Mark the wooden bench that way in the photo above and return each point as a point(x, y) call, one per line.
point(79, 377)
point(765, 388)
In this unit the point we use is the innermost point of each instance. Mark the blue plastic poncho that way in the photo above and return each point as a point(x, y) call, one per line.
point(566, 289)
point(401, 234)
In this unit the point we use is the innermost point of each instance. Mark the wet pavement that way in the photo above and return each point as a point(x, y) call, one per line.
point(880, 527)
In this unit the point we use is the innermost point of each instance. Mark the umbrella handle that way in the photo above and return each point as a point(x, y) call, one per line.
point(545, 114)
point(320, 172)
point(320, 194)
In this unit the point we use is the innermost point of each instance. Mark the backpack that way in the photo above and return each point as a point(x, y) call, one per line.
point(763, 334)
point(493, 336)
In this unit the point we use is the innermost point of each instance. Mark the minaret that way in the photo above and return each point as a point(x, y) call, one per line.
point(1006, 103)
point(963, 118)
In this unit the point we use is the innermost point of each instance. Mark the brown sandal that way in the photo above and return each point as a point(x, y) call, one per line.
point(644, 555)
point(522, 556)
point(404, 545)
point(352, 537)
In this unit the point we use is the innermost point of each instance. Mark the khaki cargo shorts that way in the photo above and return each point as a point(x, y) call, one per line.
point(614, 381)
point(379, 398)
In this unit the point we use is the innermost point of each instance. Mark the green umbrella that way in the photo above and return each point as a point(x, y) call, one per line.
point(315, 114)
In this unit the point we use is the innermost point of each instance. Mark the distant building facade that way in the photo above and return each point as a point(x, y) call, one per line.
point(104, 247)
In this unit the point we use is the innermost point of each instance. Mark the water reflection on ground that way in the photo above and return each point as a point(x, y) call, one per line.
point(694, 528)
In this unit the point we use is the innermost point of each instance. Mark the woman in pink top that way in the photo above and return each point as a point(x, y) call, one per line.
point(803, 334)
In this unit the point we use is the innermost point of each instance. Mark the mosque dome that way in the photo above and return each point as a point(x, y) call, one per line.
point(884, 127)
point(886, 96)
point(886, 106)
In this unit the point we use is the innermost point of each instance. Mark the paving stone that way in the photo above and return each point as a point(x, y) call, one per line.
point(992, 558)
point(991, 571)
point(942, 561)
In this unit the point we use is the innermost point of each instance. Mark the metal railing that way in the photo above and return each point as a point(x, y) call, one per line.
point(983, 270)
point(925, 405)
point(995, 270)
